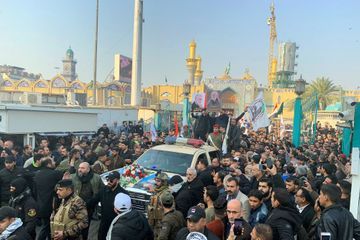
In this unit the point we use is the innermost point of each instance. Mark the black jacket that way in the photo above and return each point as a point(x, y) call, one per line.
point(190, 194)
point(44, 188)
point(106, 198)
point(205, 177)
point(20, 234)
point(132, 226)
point(202, 123)
point(27, 210)
point(182, 234)
point(285, 222)
point(340, 223)
point(307, 216)
point(6, 177)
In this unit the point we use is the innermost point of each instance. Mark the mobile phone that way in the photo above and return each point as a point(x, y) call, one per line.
point(269, 163)
point(238, 226)
point(325, 236)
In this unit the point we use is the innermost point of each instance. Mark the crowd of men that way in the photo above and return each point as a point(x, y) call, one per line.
point(263, 188)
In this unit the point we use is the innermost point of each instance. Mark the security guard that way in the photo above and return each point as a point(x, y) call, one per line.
point(24, 204)
point(172, 220)
point(154, 211)
point(71, 217)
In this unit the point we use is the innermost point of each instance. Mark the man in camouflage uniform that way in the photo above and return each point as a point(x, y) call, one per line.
point(172, 220)
point(71, 217)
point(154, 211)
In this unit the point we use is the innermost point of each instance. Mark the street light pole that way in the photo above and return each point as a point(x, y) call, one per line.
point(299, 90)
point(95, 51)
point(186, 92)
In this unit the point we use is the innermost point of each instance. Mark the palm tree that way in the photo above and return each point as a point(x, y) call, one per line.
point(326, 91)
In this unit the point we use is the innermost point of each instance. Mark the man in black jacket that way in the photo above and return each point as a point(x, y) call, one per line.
point(284, 219)
point(204, 172)
point(305, 205)
point(129, 223)
point(196, 222)
point(24, 204)
point(335, 219)
point(7, 174)
point(190, 193)
point(44, 185)
point(106, 198)
point(202, 125)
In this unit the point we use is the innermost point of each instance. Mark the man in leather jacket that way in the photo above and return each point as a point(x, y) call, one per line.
point(335, 219)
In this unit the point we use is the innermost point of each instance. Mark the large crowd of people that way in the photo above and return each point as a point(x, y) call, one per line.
point(261, 187)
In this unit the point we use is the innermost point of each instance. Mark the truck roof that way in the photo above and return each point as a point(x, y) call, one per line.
point(183, 148)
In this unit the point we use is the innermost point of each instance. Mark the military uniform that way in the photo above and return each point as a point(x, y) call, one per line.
point(216, 139)
point(171, 223)
point(26, 209)
point(155, 211)
point(71, 218)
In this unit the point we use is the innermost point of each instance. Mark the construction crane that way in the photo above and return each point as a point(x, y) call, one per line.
point(273, 35)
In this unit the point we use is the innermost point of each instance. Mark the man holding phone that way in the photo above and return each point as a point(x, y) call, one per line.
point(236, 227)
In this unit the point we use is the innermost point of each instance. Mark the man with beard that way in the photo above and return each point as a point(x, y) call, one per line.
point(25, 205)
point(71, 218)
point(266, 186)
point(45, 181)
point(190, 193)
point(233, 192)
point(106, 198)
point(86, 185)
point(72, 163)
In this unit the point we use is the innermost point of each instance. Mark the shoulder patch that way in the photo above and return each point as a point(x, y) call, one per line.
point(31, 212)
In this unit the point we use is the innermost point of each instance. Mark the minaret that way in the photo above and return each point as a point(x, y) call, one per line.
point(198, 71)
point(137, 50)
point(191, 62)
point(69, 66)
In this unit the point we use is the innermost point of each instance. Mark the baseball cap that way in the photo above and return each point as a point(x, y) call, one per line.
point(7, 212)
point(167, 198)
point(113, 175)
point(122, 202)
point(195, 214)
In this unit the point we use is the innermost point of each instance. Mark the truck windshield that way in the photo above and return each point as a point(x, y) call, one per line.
point(172, 162)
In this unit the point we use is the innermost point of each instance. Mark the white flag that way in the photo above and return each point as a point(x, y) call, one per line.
point(153, 132)
point(257, 112)
point(224, 144)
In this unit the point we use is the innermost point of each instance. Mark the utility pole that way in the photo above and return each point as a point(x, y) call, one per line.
point(95, 51)
point(137, 52)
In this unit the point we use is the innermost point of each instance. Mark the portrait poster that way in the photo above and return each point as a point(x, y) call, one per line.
point(198, 102)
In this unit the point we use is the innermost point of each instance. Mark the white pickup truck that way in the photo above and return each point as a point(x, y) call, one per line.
point(173, 159)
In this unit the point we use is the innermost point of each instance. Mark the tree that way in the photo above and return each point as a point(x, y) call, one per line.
point(326, 91)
